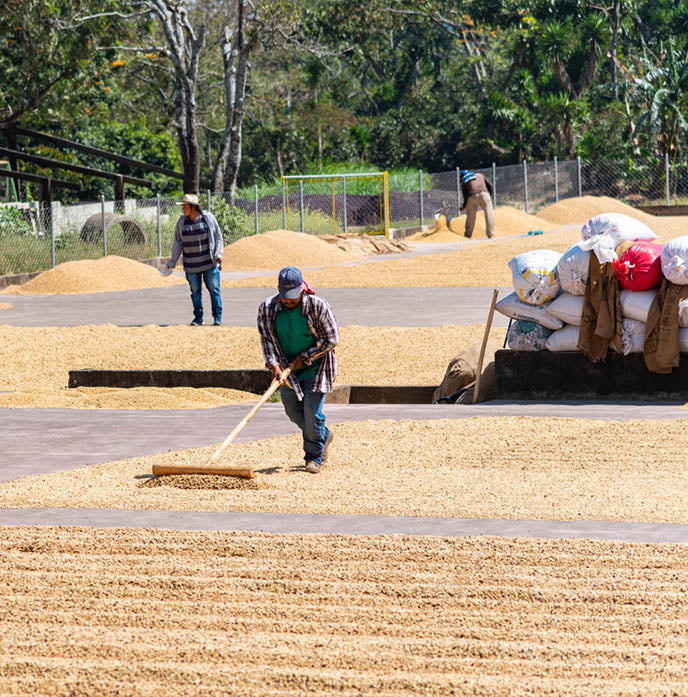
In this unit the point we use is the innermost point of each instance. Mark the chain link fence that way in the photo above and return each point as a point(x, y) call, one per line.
point(35, 236)
point(333, 204)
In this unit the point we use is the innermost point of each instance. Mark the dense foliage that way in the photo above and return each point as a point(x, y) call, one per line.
point(391, 83)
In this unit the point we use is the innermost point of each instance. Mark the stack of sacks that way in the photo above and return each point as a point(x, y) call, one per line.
point(550, 288)
point(605, 232)
point(627, 243)
point(536, 284)
point(636, 305)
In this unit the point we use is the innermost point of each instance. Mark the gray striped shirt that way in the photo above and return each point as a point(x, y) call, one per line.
point(196, 246)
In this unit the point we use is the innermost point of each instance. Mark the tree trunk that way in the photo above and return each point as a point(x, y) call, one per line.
point(470, 51)
point(184, 49)
point(563, 78)
point(187, 133)
point(614, 47)
point(278, 157)
point(232, 173)
point(236, 68)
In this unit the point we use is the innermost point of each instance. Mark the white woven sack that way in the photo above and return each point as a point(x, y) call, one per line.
point(636, 304)
point(565, 339)
point(632, 336)
point(603, 233)
point(618, 226)
point(675, 260)
point(512, 307)
point(534, 275)
point(572, 270)
point(683, 313)
point(568, 308)
point(524, 335)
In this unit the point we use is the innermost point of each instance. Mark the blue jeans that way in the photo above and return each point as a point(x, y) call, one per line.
point(309, 417)
point(211, 278)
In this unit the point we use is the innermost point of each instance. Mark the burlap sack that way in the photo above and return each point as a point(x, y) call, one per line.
point(461, 370)
point(487, 386)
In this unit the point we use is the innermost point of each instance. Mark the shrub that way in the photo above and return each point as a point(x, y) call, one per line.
point(233, 222)
point(12, 222)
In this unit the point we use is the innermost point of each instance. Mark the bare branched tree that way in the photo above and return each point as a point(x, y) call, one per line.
point(246, 24)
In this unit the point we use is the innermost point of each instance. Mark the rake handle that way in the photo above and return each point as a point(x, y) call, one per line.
point(479, 368)
point(270, 391)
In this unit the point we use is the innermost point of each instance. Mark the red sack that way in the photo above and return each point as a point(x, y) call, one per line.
point(640, 266)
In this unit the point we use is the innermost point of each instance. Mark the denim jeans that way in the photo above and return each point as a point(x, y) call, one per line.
point(309, 417)
point(211, 278)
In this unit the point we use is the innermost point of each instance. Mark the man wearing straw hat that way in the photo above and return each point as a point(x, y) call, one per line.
point(298, 328)
point(198, 237)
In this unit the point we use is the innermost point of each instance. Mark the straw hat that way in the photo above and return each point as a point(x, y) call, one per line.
point(191, 199)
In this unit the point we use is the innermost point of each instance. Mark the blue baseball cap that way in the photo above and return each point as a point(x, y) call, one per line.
point(466, 176)
point(289, 283)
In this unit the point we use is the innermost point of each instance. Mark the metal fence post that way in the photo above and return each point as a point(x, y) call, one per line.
point(494, 185)
point(556, 181)
point(580, 178)
point(344, 198)
point(666, 176)
point(301, 202)
point(208, 196)
point(385, 202)
point(158, 224)
point(284, 204)
point(420, 183)
point(458, 190)
point(525, 183)
point(102, 218)
point(255, 205)
point(52, 235)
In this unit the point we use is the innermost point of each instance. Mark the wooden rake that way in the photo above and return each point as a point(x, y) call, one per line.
point(210, 467)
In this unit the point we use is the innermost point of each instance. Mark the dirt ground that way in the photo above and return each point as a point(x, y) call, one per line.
point(151, 612)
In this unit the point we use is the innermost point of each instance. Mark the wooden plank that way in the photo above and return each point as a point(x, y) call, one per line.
point(46, 137)
point(79, 169)
point(27, 176)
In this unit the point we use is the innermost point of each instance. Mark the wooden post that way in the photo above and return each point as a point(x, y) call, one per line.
point(479, 369)
point(119, 195)
point(11, 134)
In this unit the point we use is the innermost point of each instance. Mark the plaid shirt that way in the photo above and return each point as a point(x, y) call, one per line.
point(322, 325)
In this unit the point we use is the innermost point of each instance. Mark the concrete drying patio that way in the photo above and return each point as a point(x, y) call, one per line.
point(37, 441)
point(399, 307)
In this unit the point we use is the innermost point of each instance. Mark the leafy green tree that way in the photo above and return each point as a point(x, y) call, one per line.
point(567, 48)
point(563, 117)
point(46, 55)
point(661, 90)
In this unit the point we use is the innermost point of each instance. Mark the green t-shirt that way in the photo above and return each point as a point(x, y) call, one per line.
point(295, 338)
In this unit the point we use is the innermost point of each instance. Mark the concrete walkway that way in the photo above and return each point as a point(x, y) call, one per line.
point(38, 441)
point(397, 307)
point(348, 525)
